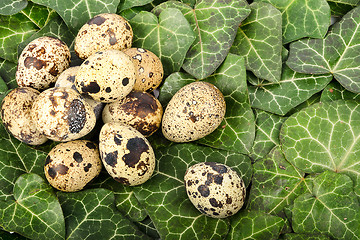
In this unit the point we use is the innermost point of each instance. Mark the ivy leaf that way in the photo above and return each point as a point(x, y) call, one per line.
point(312, 100)
point(213, 41)
point(7, 72)
point(11, 236)
point(127, 4)
point(266, 133)
point(169, 37)
point(334, 91)
point(302, 18)
point(299, 236)
point(255, 225)
point(259, 40)
point(165, 199)
point(37, 14)
point(336, 54)
point(341, 7)
point(293, 89)
point(332, 208)
point(147, 227)
point(34, 211)
point(10, 7)
point(91, 214)
point(3, 89)
point(324, 136)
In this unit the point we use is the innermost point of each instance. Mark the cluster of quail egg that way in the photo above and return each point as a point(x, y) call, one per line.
point(113, 86)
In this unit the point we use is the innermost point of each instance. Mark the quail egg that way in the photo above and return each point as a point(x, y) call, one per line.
point(140, 110)
point(16, 115)
point(70, 166)
point(41, 62)
point(148, 67)
point(67, 80)
point(126, 154)
point(62, 114)
point(215, 189)
point(102, 32)
point(106, 76)
point(195, 111)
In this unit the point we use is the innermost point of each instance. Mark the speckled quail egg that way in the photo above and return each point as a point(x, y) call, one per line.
point(106, 76)
point(126, 154)
point(148, 67)
point(62, 114)
point(140, 110)
point(41, 62)
point(70, 166)
point(67, 80)
point(215, 189)
point(194, 111)
point(102, 32)
point(16, 115)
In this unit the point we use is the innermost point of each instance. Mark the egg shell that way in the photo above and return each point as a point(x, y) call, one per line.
point(102, 32)
point(16, 115)
point(126, 154)
point(67, 80)
point(194, 111)
point(215, 189)
point(70, 166)
point(41, 62)
point(140, 110)
point(148, 67)
point(62, 114)
point(106, 76)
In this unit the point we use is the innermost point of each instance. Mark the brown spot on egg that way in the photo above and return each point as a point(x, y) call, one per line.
point(204, 190)
point(77, 157)
point(108, 89)
point(87, 167)
point(54, 71)
point(111, 158)
point(117, 139)
point(112, 39)
point(58, 169)
point(142, 168)
point(127, 26)
point(215, 203)
point(34, 62)
point(217, 167)
point(141, 104)
point(122, 180)
point(76, 116)
point(125, 81)
point(91, 145)
point(136, 146)
point(48, 160)
point(93, 87)
point(98, 20)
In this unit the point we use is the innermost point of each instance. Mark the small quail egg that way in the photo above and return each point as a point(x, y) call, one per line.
point(215, 189)
point(70, 166)
point(195, 111)
point(149, 69)
point(62, 114)
point(67, 80)
point(15, 114)
point(102, 32)
point(41, 62)
point(106, 76)
point(140, 110)
point(126, 154)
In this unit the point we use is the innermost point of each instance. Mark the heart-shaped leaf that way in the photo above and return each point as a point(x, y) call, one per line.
point(10, 7)
point(303, 236)
point(331, 208)
point(169, 37)
point(302, 18)
point(37, 14)
point(337, 53)
point(164, 195)
point(127, 4)
point(259, 40)
point(213, 41)
point(7, 72)
point(341, 7)
point(324, 136)
point(147, 227)
point(293, 89)
point(255, 225)
point(34, 211)
point(334, 91)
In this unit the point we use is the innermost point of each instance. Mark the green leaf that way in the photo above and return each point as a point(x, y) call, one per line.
point(213, 41)
point(3, 89)
point(324, 136)
point(147, 227)
point(302, 18)
point(334, 91)
point(37, 14)
point(299, 236)
point(7, 72)
point(341, 7)
point(34, 211)
point(336, 54)
point(259, 40)
point(165, 198)
point(293, 89)
point(237, 131)
point(312, 100)
point(266, 133)
point(127, 4)
point(332, 208)
point(11, 236)
point(76, 13)
point(255, 225)
point(10, 7)
point(91, 214)
point(275, 184)
point(169, 37)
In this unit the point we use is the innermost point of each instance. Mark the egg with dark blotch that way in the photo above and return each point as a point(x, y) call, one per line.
point(70, 166)
point(16, 115)
point(62, 114)
point(140, 110)
point(102, 32)
point(195, 111)
point(41, 62)
point(126, 154)
point(215, 189)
